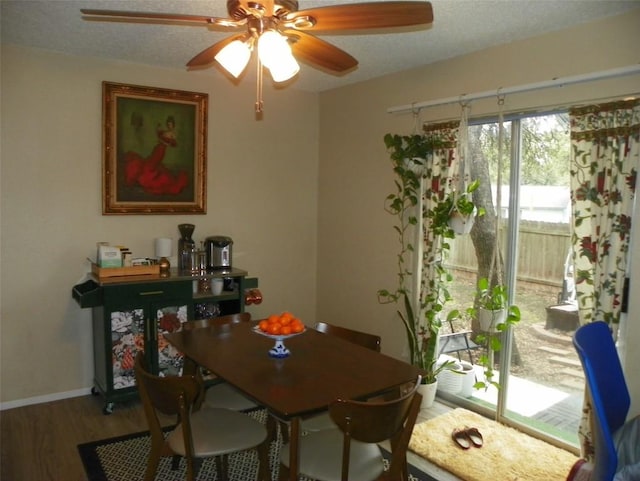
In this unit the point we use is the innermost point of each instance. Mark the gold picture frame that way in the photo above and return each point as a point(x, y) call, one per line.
point(154, 150)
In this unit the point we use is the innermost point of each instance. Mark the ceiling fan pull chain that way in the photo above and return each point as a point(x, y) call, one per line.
point(259, 102)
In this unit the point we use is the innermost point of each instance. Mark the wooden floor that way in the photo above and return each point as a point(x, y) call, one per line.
point(39, 442)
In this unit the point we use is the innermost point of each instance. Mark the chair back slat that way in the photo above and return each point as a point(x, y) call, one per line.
point(370, 341)
point(164, 393)
point(218, 321)
point(374, 422)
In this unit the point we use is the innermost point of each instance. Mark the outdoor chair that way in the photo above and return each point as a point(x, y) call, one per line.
point(207, 432)
point(457, 342)
point(352, 451)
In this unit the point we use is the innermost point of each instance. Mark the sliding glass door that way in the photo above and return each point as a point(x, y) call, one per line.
point(525, 193)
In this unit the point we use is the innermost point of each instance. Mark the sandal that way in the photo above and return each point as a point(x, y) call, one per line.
point(474, 436)
point(461, 438)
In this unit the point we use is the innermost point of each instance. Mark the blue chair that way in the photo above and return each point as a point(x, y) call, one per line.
point(609, 393)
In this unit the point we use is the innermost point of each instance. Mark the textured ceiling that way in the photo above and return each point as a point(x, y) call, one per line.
point(459, 27)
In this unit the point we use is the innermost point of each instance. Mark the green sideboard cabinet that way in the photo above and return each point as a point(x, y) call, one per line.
point(132, 313)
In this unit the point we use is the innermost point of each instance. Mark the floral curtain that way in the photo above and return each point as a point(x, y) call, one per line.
point(605, 145)
point(440, 178)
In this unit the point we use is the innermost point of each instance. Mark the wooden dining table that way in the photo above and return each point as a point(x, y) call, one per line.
point(319, 369)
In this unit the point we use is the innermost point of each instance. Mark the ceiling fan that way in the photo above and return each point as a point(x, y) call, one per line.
point(278, 31)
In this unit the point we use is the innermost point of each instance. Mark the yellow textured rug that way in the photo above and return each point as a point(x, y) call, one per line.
point(507, 454)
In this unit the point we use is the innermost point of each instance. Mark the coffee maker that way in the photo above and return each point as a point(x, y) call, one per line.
point(218, 249)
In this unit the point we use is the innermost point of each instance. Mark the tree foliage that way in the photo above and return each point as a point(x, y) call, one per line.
point(545, 149)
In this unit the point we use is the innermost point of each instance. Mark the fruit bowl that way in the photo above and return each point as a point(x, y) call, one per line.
point(279, 350)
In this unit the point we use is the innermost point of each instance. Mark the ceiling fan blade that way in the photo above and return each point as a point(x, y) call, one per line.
point(361, 16)
point(321, 53)
point(207, 56)
point(160, 17)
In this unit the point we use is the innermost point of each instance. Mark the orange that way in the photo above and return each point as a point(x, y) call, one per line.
point(281, 324)
point(274, 328)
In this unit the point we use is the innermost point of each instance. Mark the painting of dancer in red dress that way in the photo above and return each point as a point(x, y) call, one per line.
point(154, 150)
point(150, 173)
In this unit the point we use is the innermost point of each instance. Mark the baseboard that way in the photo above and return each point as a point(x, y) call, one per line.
point(43, 399)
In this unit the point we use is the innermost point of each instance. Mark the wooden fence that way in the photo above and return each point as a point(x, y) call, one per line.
point(542, 252)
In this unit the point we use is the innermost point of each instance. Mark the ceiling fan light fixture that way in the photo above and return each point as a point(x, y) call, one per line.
point(286, 68)
point(275, 54)
point(272, 47)
point(234, 57)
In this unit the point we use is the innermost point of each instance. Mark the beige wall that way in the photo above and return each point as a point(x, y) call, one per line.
point(262, 191)
point(356, 243)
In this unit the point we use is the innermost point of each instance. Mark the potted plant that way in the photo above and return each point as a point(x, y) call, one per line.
point(463, 210)
point(491, 305)
point(495, 315)
point(409, 155)
point(455, 213)
point(422, 336)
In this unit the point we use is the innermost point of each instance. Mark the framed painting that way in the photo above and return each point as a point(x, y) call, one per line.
point(155, 150)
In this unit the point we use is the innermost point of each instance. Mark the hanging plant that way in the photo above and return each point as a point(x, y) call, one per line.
point(463, 210)
point(493, 307)
point(454, 205)
point(409, 156)
point(499, 321)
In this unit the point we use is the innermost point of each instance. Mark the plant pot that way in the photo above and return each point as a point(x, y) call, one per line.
point(450, 380)
point(468, 379)
point(417, 166)
point(428, 393)
point(462, 223)
point(489, 320)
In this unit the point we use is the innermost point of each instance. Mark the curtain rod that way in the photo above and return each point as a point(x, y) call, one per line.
point(556, 82)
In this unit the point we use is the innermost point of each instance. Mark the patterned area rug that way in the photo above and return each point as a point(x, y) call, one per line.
point(507, 454)
point(124, 458)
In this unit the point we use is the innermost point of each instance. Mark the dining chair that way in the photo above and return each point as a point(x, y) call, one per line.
point(351, 452)
point(370, 341)
point(207, 432)
point(608, 392)
point(221, 394)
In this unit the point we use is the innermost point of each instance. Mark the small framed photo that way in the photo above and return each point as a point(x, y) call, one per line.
point(154, 150)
